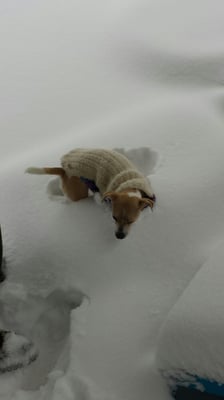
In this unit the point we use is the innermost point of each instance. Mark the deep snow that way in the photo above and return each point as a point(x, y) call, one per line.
point(192, 339)
point(128, 75)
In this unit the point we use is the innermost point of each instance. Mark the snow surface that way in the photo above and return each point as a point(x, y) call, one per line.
point(191, 341)
point(129, 74)
point(16, 352)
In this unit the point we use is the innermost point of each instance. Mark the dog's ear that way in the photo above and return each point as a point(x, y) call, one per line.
point(109, 197)
point(144, 202)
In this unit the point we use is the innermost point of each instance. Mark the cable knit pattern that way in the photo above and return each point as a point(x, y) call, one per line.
point(110, 170)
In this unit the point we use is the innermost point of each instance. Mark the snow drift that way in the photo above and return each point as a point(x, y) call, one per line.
point(128, 75)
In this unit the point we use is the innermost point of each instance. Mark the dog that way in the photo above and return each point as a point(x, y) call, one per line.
point(112, 175)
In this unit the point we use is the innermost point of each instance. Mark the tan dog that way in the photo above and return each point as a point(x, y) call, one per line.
point(111, 174)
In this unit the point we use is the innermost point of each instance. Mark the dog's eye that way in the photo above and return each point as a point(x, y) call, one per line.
point(115, 219)
point(129, 222)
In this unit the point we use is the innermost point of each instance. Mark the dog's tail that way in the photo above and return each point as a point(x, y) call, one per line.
point(48, 171)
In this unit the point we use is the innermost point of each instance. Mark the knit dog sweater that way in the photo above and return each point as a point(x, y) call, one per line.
point(108, 169)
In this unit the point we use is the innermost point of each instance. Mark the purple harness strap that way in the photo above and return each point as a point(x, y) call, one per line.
point(90, 184)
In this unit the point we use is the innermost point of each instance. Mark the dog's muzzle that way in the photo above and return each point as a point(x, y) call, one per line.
point(120, 234)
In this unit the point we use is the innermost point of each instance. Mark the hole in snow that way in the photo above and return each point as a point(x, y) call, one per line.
point(45, 321)
point(144, 158)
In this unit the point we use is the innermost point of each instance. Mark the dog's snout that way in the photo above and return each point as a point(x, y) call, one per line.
point(120, 235)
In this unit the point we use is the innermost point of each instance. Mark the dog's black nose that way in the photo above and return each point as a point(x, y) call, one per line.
point(120, 235)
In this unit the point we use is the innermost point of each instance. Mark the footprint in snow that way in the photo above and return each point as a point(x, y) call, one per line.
point(45, 321)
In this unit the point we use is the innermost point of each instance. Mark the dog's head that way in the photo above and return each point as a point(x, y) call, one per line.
point(125, 210)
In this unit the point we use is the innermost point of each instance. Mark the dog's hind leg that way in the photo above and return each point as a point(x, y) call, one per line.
point(74, 188)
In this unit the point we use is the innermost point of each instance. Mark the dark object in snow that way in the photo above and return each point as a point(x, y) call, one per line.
point(16, 352)
point(2, 263)
point(183, 393)
point(193, 387)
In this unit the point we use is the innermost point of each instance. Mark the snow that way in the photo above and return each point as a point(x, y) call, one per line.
point(15, 346)
point(191, 341)
point(130, 75)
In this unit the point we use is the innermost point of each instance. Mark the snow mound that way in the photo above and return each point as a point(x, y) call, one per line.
point(191, 341)
point(46, 321)
point(145, 158)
